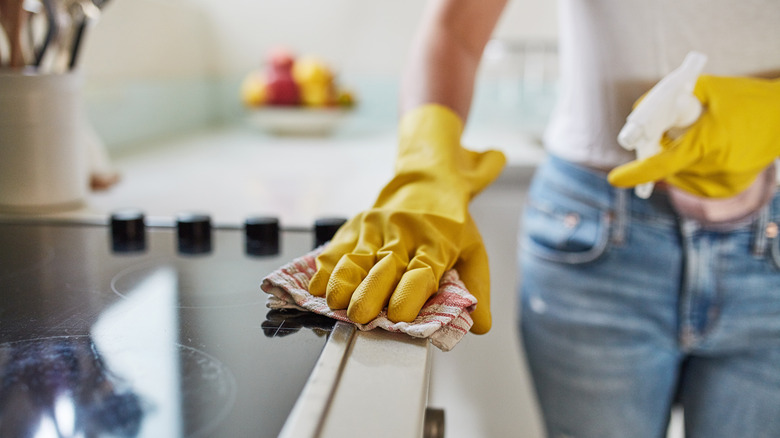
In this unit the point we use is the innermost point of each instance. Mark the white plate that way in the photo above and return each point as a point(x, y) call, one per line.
point(297, 121)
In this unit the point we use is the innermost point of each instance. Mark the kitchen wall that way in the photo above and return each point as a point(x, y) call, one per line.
point(158, 67)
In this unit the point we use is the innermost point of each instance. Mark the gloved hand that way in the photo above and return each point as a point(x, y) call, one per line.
point(395, 253)
point(722, 153)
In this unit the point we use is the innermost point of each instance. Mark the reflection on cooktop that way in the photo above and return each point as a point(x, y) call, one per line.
point(195, 282)
point(150, 342)
point(67, 386)
point(61, 387)
point(285, 322)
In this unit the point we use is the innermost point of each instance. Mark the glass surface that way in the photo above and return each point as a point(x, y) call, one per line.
point(149, 343)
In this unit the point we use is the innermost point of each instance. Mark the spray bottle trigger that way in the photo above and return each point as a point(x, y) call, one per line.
point(689, 110)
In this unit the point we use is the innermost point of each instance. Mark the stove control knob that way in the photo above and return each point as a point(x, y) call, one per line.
point(325, 228)
point(262, 235)
point(194, 232)
point(128, 233)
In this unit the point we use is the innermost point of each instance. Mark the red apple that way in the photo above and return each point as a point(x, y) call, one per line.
point(280, 58)
point(281, 87)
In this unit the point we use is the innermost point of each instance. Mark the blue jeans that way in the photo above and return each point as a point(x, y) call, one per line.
point(628, 309)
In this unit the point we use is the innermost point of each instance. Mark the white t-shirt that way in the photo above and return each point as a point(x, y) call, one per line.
point(612, 51)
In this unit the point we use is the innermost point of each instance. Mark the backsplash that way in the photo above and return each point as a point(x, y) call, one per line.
point(157, 68)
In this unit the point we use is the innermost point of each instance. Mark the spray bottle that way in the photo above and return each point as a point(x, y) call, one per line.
point(668, 105)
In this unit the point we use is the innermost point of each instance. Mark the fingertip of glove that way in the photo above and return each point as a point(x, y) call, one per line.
point(334, 302)
point(492, 159)
point(482, 322)
point(411, 293)
point(628, 175)
point(498, 155)
point(616, 177)
point(397, 314)
point(360, 313)
point(318, 283)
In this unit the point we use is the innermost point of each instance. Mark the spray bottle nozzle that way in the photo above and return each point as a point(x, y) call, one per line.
point(631, 135)
point(669, 104)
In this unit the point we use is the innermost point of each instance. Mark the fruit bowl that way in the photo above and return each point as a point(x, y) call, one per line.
point(297, 121)
point(295, 95)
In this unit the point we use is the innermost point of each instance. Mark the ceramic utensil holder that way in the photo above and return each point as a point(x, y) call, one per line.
point(43, 163)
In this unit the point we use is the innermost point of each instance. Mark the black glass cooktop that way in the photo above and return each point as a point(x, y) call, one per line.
point(162, 334)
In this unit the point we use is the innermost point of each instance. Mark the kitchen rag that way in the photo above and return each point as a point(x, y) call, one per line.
point(444, 319)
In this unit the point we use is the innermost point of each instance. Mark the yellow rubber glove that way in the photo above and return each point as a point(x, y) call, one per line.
point(722, 153)
point(394, 254)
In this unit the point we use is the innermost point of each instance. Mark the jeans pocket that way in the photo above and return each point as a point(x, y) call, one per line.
point(571, 233)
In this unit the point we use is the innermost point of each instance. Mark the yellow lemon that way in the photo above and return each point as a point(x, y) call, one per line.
point(317, 94)
point(253, 92)
point(309, 70)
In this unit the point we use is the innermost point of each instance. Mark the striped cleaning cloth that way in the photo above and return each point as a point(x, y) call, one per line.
point(444, 319)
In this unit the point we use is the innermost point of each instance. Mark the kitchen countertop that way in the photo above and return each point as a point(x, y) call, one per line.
point(235, 171)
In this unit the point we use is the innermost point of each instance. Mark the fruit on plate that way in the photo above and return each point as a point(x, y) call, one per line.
point(286, 80)
point(280, 87)
point(345, 98)
point(253, 89)
point(315, 79)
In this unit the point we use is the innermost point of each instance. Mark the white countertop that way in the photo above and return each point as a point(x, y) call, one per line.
point(234, 172)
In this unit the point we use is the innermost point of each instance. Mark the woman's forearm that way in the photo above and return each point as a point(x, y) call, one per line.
point(446, 52)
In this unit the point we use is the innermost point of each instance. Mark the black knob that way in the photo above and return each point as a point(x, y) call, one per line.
point(194, 232)
point(262, 235)
point(325, 228)
point(433, 423)
point(128, 232)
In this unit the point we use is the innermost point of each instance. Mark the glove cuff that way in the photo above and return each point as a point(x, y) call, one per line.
point(429, 136)
point(430, 120)
point(430, 145)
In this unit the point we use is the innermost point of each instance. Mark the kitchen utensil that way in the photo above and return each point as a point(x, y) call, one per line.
point(4, 47)
point(12, 17)
point(57, 55)
point(84, 13)
point(52, 29)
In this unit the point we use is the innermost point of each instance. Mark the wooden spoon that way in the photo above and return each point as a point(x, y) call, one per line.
point(12, 18)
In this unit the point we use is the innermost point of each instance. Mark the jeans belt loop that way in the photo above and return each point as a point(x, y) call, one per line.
point(620, 216)
point(760, 238)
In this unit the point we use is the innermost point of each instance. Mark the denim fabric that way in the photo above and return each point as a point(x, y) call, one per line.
point(627, 308)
